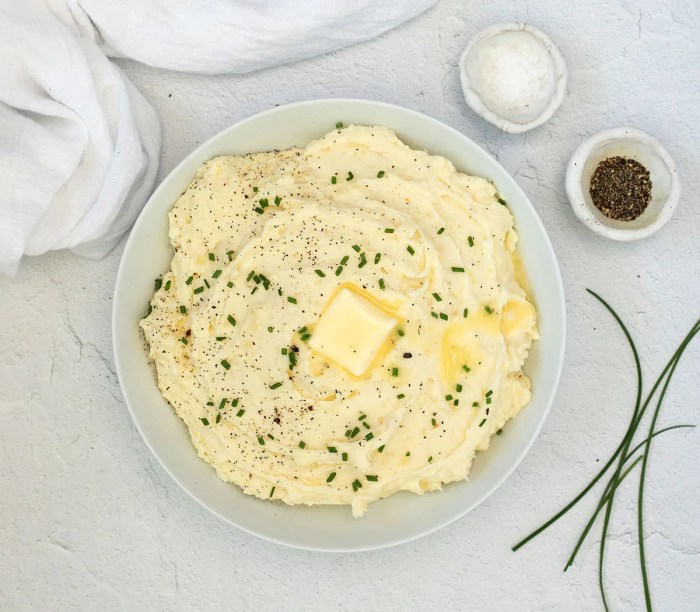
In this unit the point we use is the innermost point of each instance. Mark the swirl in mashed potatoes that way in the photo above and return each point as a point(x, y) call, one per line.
point(341, 322)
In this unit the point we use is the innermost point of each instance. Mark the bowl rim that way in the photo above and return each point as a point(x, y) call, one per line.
point(575, 190)
point(475, 102)
point(548, 402)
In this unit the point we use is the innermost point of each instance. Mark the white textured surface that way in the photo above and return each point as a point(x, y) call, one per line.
point(89, 520)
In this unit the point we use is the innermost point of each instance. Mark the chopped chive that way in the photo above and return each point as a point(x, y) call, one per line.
point(443, 316)
point(488, 400)
point(356, 248)
point(320, 273)
point(456, 402)
point(499, 432)
point(222, 404)
point(226, 364)
point(409, 248)
point(388, 230)
point(339, 125)
point(218, 418)
point(254, 290)
point(501, 201)
point(363, 261)
point(437, 297)
point(482, 423)
point(259, 210)
point(189, 280)
point(263, 203)
point(394, 372)
point(332, 449)
point(430, 459)
point(291, 300)
point(183, 309)
point(339, 270)
point(408, 454)
point(381, 284)
point(465, 313)
point(366, 425)
point(369, 436)
point(380, 174)
point(331, 476)
point(400, 332)
point(348, 433)
point(355, 431)
point(167, 286)
point(220, 338)
point(206, 283)
point(334, 180)
point(434, 422)
point(344, 260)
point(240, 413)
point(350, 176)
point(198, 290)
point(284, 351)
point(271, 436)
point(234, 403)
point(251, 274)
point(458, 388)
point(216, 274)
point(261, 440)
point(489, 393)
point(272, 490)
point(210, 403)
point(356, 485)
point(457, 269)
point(372, 477)
point(488, 309)
point(381, 449)
point(448, 397)
point(442, 229)
point(302, 329)
point(183, 340)
point(212, 257)
point(377, 257)
point(231, 320)
point(475, 404)
point(204, 420)
point(278, 200)
point(362, 417)
point(150, 308)
point(434, 314)
point(255, 189)
point(292, 359)
point(276, 385)
point(302, 444)
point(471, 241)
point(229, 254)
point(270, 329)
point(257, 279)
point(305, 337)
point(344, 456)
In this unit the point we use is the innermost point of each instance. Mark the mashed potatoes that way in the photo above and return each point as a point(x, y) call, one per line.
point(341, 322)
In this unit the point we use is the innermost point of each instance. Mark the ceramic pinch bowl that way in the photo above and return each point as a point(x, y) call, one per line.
point(632, 144)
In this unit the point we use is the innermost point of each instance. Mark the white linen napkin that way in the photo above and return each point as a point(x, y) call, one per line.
point(79, 145)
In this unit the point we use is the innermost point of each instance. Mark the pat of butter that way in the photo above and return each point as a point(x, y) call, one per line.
point(351, 331)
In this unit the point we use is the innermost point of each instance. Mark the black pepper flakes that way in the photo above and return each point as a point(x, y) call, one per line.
point(620, 188)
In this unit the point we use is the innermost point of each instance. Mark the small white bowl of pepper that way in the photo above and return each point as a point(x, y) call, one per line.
point(623, 184)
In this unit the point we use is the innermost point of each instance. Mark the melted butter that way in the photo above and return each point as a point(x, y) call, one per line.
point(459, 345)
point(518, 315)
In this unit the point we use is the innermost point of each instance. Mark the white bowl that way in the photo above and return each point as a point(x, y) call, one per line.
point(637, 145)
point(475, 102)
point(399, 518)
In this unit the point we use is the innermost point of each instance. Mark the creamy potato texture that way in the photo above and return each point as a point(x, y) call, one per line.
point(341, 322)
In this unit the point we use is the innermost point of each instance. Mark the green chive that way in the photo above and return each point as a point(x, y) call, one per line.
point(362, 417)
point(339, 125)
point(372, 477)
point(199, 290)
point(204, 420)
point(240, 413)
point(259, 210)
point(167, 286)
point(226, 364)
point(434, 422)
point(291, 300)
point(442, 229)
point(270, 329)
point(499, 432)
point(272, 490)
point(456, 402)
point(482, 423)
point(222, 404)
point(234, 403)
point(381, 449)
point(292, 359)
point(369, 436)
point(488, 400)
point(457, 269)
point(210, 403)
point(263, 203)
point(230, 284)
point(350, 176)
point(302, 444)
point(366, 425)
point(471, 241)
point(434, 314)
point(251, 274)
point(332, 449)
point(380, 174)
point(458, 388)
point(212, 257)
point(278, 200)
point(408, 454)
point(276, 385)
point(356, 485)
point(363, 261)
point(489, 393)
point(339, 270)
point(150, 308)
point(377, 257)
point(355, 431)
point(409, 248)
point(218, 418)
point(229, 254)
point(183, 309)
point(320, 273)
point(216, 274)
point(388, 230)
point(344, 456)
point(400, 332)
point(331, 476)
point(189, 280)
point(501, 201)
point(334, 180)
point(443, 316)
point(437, 297)
point(475, 404)
point(183, 340)
point(356, 248)
point(206, 283)
point(220, 338)
point(348, 433)
point(400, 396)
point(231, 320)
point(271, 436)
point(158, 283)
point(430, 459)
point(448, 398)
point(305, 337)
point(344, 260)
point(394, 372)
point(284, 351)
point(261, 440)
point(381, 284)
point(488, 309)
point(465, 313)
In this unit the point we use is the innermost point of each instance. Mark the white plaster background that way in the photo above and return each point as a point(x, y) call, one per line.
point(89, 520)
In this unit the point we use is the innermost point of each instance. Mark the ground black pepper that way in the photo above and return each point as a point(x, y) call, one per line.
point(620, 188)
